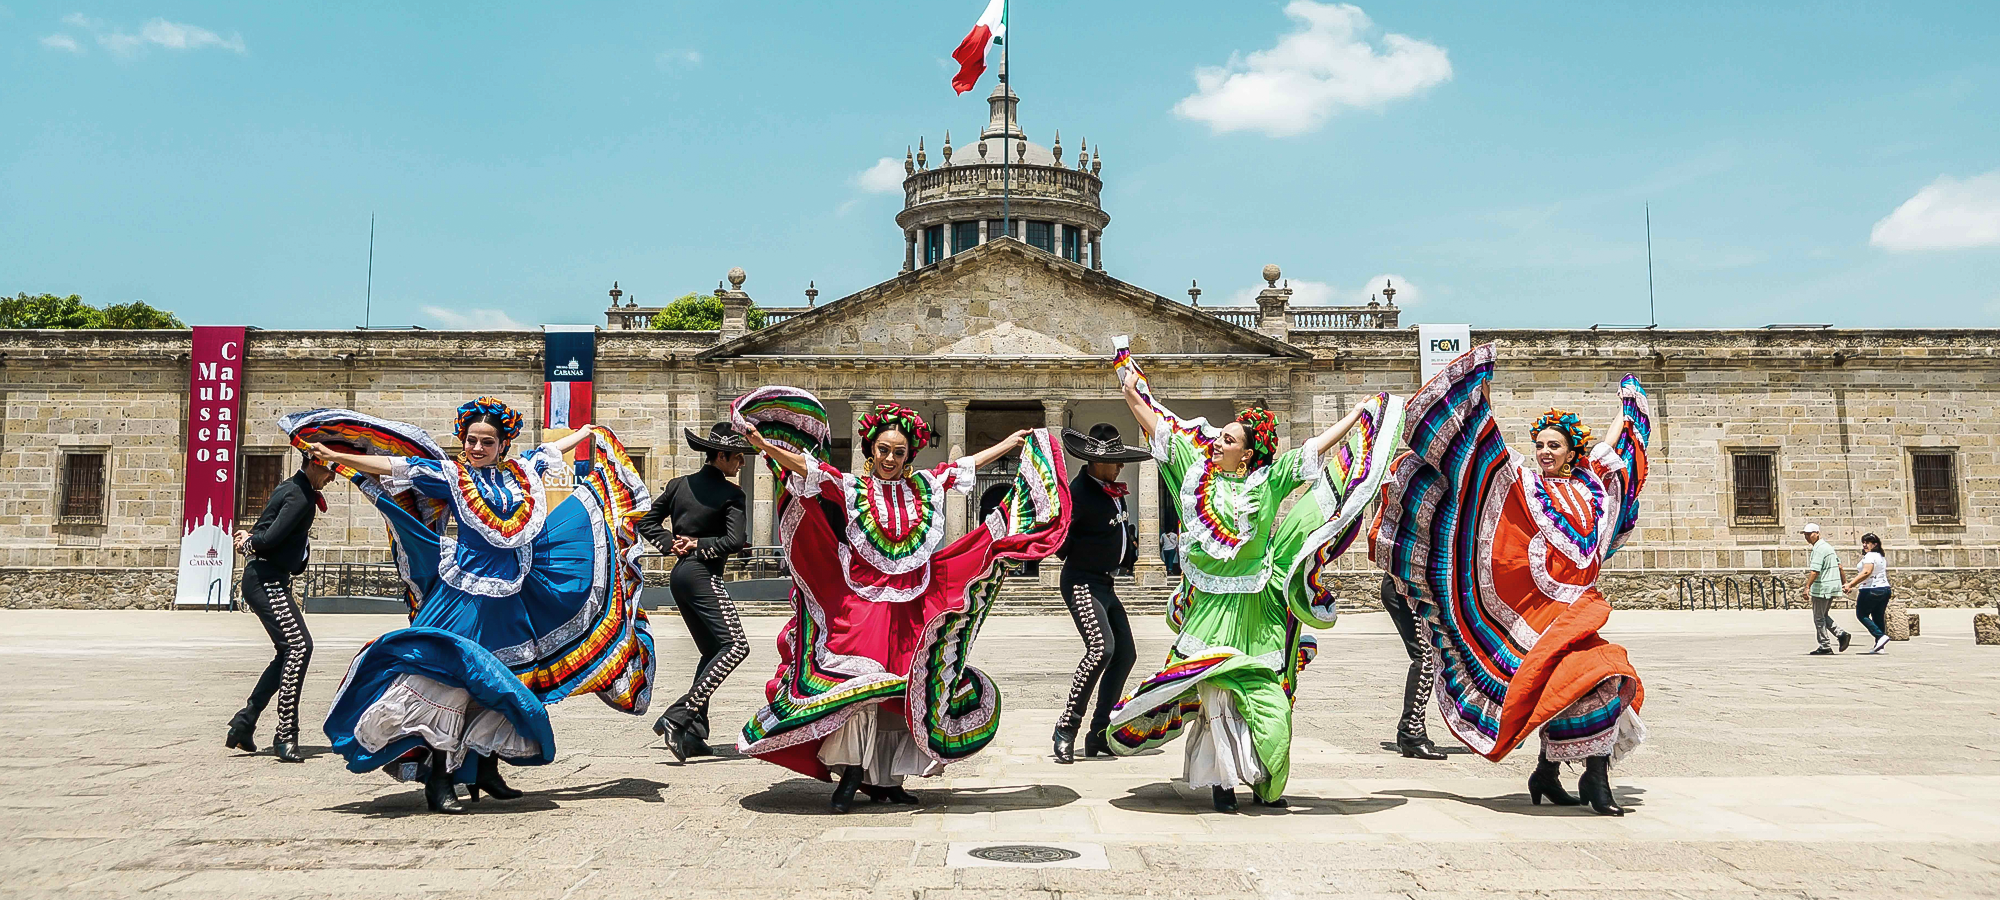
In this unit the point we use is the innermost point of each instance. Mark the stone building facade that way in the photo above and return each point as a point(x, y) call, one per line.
point(1756, 431)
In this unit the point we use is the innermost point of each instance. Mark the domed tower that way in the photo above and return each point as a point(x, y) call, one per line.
point(1053, 204)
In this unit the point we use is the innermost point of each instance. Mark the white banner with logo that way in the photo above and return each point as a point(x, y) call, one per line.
point(1438, 345)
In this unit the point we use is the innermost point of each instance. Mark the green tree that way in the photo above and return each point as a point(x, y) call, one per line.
point(51, 311)
point(699, 312)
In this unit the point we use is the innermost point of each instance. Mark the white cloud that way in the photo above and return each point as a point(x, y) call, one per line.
point(1306, 292)
point(473, 319)
point(677, 59)
point(156, 33)
point(884, 177)
point(1317, 70)
point(1948, 214)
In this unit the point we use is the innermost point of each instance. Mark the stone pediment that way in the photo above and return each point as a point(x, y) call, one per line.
point(1002, 300)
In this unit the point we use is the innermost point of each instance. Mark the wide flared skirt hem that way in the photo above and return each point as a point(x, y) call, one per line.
point(422, 687)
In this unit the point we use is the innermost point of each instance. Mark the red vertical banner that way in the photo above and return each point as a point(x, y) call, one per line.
point(208, 496)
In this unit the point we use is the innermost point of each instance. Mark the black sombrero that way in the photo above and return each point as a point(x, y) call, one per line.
point(1102, 445)
point(721, 438)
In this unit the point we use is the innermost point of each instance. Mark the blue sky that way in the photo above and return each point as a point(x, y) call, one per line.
point(1824, 162)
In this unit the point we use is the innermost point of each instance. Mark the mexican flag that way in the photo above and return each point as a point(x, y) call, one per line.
point(971, 53)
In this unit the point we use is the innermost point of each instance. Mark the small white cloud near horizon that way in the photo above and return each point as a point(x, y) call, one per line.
point(1948, 214)
point(155, 33)
point(1312, 73)
point(1306, 292)
point(473, 319)
point(884, 177)
point(678, 58)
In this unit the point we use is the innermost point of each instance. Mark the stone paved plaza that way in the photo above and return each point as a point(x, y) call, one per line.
point(1769, 774)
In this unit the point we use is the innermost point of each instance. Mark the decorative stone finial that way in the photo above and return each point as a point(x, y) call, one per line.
point(1389, 291)
point(1020, 149)
point(982, 151)
point(1194, 293)
point(1097, 161)
point(1058, 148)
point(719, 289)
point(1374, 299)
point(736, 277)
point(1271, 273)
point(812, 293)
point(909, 161)
point(615, 293)
point(947, 147)
point(923, 160)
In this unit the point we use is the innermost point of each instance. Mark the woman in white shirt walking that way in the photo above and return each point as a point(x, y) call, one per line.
point(1872, 577)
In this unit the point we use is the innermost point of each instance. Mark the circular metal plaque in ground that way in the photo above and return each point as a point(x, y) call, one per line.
point(1030, 854)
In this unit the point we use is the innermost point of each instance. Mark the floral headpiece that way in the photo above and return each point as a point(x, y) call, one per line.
point(1566, 422)
point(510, 421)
point(1260, 431)
point(902, 418)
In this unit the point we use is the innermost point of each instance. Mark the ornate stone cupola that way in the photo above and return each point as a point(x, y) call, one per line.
point(1053, 204)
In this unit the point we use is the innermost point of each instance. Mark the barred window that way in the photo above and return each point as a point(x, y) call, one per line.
point(1042, 234)
point(933, 244)
point(1937, 487)
point(1755, 484)
point(83, 489)
point(998, 227)
point(1072, 243)
point(261, 475)
point(964, 236)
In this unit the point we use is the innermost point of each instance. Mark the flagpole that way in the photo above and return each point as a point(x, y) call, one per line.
point(1007, 131)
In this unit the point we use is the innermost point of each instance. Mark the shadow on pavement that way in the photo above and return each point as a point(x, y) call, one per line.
point(1164, 797)
point(809, 797)
point(411, 802)
point(1448, 751)
point(1520, 805)
point(716, 754)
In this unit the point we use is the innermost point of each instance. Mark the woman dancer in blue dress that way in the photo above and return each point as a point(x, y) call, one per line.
point(528, 604)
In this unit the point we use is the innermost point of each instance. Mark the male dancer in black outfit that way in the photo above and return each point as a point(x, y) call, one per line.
point(1103, 538)
point(1413, 738)
point(700, 518)
point(277, 549)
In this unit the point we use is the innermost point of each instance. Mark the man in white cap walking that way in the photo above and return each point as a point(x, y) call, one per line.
point(1823, 586)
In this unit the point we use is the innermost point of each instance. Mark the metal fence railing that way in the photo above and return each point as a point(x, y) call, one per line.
point(1734, 592)
point(377, 581)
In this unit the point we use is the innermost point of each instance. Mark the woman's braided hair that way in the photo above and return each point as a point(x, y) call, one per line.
point(1260, 433)
point(502, 416)
point(900, 418)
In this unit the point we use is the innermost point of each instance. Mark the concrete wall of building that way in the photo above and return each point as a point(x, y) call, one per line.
point(1842, 410)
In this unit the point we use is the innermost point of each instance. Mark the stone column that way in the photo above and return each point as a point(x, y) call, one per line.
point(1052, 419)
point(760, 503)
point(910, 250)
point(954, 442)
point(1097, 250)
point(1273, 306)
point(735, 307)
point(858, 459)
point(982, 230)
point(1149, 571)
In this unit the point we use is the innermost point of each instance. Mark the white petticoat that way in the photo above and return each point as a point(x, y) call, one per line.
point(1220, 752)
point(444, 717)
point(881, 745)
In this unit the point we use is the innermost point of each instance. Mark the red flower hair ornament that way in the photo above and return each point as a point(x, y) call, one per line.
point(901, 418)
point(1260, 432)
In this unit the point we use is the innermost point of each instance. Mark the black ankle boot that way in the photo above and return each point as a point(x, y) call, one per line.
point(438, 792)
point(1596, 787)
point(1418, 748)
point(287, 751)
point(489, 780)
point(1547, 782)
point(843, 793)
point(242, 734)
point(1225, 799)
point(674, 734)
point(1065, 742)
point(1095, 743)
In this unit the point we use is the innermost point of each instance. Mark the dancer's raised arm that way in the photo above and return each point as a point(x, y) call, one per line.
point(1318, 444)
point(1141, 410)
point(563, 444)
point(365, 463)
point(796, 463)
point(1006, 446)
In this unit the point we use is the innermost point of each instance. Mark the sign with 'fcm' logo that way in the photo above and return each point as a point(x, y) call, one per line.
point(1438, 345)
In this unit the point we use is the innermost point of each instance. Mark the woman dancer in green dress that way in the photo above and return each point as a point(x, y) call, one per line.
point(1249, 580)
